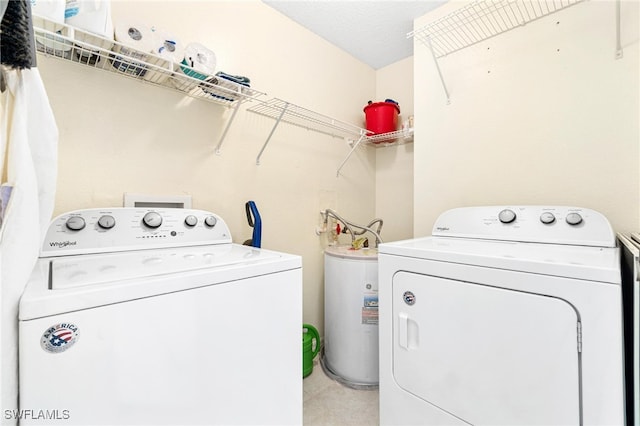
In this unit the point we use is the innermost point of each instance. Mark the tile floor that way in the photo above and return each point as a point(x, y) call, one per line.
point(329, 403)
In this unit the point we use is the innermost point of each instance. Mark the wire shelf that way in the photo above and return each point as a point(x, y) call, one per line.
point(74, 45)
point(399, 137)
point(298, 116)
point(481, 20)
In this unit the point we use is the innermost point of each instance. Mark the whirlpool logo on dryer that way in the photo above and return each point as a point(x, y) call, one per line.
point(62, 244)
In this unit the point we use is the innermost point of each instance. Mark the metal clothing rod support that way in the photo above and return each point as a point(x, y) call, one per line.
point(350, 152)
point(226, 129)
point(435, 60)
point(284, 109)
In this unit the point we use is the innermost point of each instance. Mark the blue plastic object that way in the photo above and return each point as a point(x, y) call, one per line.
point(253, 217)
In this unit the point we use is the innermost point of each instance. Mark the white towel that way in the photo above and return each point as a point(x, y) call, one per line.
point(28, 164)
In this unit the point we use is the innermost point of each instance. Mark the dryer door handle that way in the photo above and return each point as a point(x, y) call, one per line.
point(408, 332)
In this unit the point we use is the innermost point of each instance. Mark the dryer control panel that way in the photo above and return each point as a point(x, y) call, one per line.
point(122, 228)
point(537, 224)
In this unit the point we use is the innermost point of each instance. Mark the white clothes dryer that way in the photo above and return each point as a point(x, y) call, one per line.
point(135, 316)
point(504, 316)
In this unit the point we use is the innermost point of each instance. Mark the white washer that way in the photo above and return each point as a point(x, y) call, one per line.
point(133, 316)
point(505, 316)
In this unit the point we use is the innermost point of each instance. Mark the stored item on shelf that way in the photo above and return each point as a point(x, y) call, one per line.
point(168, 52)
point(56, 45)
point(225, 86)
point(93, 18)
point(91, 15)
point(240, 79)
point(134, 42)
point(199, 63)
point(88, 47)
point(382, 117)
point(49, 15)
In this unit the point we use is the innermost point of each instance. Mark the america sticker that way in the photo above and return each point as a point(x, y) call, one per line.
point(60, 337)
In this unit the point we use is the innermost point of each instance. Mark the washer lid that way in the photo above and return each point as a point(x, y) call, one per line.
point(581, 262)
point(77, 271)
point(72, 283)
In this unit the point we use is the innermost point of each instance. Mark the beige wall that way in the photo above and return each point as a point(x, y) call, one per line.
point(394, 164)
point(543, 114)
point(117, 135)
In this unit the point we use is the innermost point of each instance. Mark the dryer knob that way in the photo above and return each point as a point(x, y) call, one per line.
point(507, 216)
point(191, 221)
point(574, 219)
point(152, 219)
point(210, 221)
point(75, 223)
point(547, 218)
point(106, 221)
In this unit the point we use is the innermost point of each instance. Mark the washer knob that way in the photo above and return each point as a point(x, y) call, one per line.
point(507, 216)
point(191, 220)
point(210, 221)
point(547, 218)
point(75, 223)
point(574, 219)
point(152, 219)
point(106, 221)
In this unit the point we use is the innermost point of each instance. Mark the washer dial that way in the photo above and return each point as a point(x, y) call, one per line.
point(507, 216)
point(106, 221)
point(210, 221)
point(75, 223)
point(152, 219)
point(191, 220)
point(574, 219)
point(547, 218)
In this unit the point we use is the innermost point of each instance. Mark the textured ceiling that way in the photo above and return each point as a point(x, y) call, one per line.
point(374, 32)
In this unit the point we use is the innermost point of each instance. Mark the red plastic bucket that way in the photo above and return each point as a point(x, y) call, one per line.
point(382, 117)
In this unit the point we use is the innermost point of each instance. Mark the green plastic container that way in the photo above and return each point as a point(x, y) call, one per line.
point(309, 348)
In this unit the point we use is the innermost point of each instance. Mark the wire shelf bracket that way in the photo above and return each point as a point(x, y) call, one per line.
point(353, 148)
point(479, 21)
point(273, 129)
point(619, 51)
point(286, 112)
point(226, 127)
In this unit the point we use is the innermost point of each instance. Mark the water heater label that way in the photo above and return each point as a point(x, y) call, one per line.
point(370, 308)
point(60, 337)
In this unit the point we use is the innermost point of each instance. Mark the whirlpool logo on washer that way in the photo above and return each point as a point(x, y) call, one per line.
point(60, 337)
point(62, 244)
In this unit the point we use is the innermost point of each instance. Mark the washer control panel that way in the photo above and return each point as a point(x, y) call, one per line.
point(124, 228)
point(541, 224)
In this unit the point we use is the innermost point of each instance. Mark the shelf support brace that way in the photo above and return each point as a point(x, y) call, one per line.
point(355, 145)
point(619, 51)
point(226, 129)
point(284, 109)
point(435, 60)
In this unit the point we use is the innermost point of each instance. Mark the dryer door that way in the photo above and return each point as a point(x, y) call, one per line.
point(486, 355)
